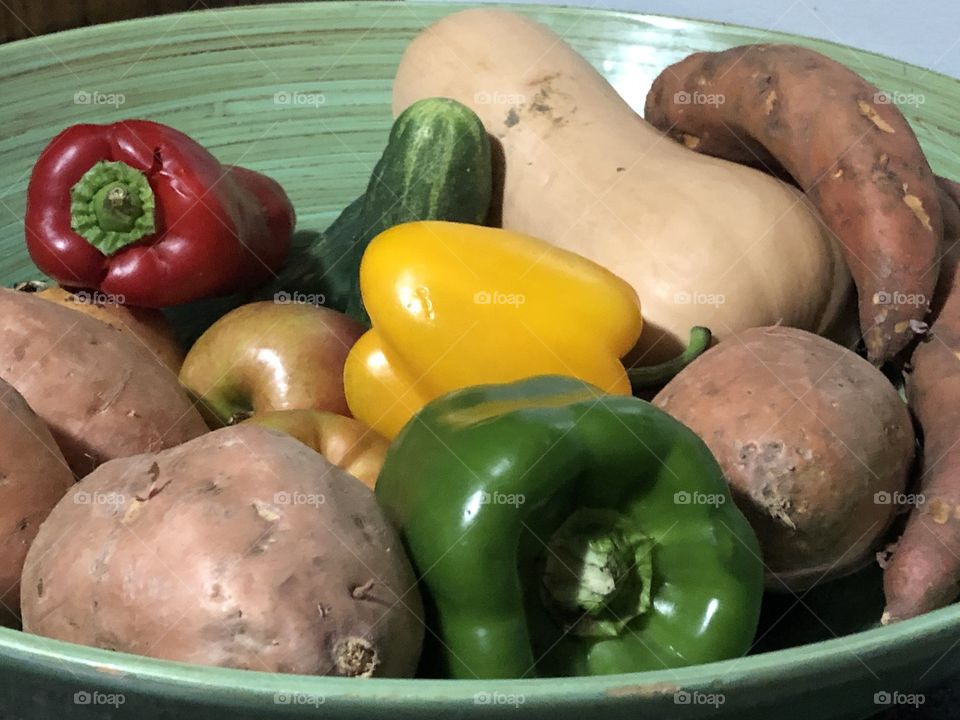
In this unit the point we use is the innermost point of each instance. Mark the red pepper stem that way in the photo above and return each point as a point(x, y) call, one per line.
point(597, 573)
point(112, 206)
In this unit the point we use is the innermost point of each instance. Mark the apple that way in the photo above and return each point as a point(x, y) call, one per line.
point(269, 356)
point(345, 442)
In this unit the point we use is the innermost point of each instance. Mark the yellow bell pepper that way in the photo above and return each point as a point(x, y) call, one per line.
point(455, 305)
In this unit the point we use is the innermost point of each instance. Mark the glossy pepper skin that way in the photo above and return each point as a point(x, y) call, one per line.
point(139, 210)
point(485, 483)
point(454, 305)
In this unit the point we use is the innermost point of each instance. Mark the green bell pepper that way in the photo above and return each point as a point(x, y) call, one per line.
point(559, 531)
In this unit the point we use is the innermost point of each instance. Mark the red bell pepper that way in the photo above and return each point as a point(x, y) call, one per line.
point(140, 211)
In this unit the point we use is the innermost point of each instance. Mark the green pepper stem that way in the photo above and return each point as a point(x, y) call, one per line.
point(597, 573)
point(655, 376)
point(112, 206)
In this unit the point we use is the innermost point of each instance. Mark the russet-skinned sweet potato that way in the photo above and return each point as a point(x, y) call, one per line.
point(102, 393)
point(243, 548)
point(33, 477)
point(848, 147)
point(814, 441)
point(923, 573)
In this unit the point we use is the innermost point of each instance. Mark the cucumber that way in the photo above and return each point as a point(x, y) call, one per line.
point(322, 265)
point(436, 166)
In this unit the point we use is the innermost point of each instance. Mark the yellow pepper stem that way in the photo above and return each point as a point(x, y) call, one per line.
point(656, 376)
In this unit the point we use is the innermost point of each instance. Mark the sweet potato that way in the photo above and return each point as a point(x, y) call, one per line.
point(923, 573)
point(102, 394)
point(33, 476)
point(846, 145)
point(815, 443)
point(243, 548)
point(149, 326)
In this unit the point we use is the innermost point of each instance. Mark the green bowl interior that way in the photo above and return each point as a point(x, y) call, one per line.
point(302, 93)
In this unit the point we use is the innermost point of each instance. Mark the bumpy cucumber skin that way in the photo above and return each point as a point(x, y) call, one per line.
point(437, 166)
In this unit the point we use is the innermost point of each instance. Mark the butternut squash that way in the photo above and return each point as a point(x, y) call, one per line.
point(702, 240)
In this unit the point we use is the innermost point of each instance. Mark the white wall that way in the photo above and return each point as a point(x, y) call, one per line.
point(922, 32)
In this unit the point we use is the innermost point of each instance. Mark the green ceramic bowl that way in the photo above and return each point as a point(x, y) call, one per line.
point(302, 92)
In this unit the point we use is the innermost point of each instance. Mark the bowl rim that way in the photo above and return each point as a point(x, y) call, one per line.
point(33, 650)
point(753, 669)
